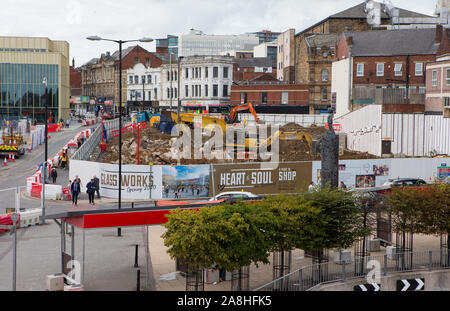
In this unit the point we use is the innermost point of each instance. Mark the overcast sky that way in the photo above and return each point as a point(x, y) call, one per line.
point(74, 20)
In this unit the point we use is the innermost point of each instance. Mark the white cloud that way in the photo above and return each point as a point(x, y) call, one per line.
point(133, 19)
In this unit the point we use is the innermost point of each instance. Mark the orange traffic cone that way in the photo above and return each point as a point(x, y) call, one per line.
point(5, 162)
point(13, 158)
point(9, 157)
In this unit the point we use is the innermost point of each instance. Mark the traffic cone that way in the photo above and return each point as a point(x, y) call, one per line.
point(9, 157)
point(13, 158)
point(5, 162)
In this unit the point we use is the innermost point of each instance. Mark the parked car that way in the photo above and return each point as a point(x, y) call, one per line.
point(405, 182)
point(234, 195)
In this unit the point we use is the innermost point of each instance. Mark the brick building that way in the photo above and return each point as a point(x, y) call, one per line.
point(246, 69)
point(438, 78)
point(100, 76)
point(272, 97)
point(314, 48)
point(75, 80)
point(383, 67)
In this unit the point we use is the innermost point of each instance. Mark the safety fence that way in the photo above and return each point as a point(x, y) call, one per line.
point(309, 277)
point(94, 140)
point(282, 119)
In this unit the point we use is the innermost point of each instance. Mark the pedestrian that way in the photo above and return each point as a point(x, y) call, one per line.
point(79, 142)
point(343, 186)
point(75, 190)
point(90, 189)
point(311, 187)
point(78, 179)
point(54, 174)
point(64, 160)
point(97, 186)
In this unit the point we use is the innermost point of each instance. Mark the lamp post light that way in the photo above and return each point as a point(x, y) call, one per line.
point(179, 87)
point(44, 166)
point(120, 42)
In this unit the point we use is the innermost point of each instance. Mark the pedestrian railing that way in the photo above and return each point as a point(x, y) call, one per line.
point(94, 140)
point(311, 276)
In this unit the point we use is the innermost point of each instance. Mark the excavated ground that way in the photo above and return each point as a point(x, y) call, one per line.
point(155, 148)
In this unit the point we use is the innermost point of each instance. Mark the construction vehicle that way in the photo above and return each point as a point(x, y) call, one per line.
point(12, 144)
point(233, 113)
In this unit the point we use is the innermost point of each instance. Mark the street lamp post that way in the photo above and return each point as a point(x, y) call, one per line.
point(120, 42)
point(179, 87)
point(44, 166)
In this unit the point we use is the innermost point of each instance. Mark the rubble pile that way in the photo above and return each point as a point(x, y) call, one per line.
point(160, 148)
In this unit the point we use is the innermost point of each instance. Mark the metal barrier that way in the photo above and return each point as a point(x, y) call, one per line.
point(311, 276)
point(305, 120)
point(94, 139)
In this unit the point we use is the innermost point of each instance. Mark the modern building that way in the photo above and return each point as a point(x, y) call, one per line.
point(438, 79)
point(267, 49)
point(206, 82)
point(238, 54)
point(25, 63)
point(383, 67)
point(266, 36)
point(286, 56)
point(167, 45)
point(100, 76)
point(143, 87)
point(198, 43)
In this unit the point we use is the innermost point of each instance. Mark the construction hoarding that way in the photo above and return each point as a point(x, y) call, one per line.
point(287, 177)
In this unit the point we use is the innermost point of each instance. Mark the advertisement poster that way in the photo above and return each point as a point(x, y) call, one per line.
point(185, 182)
point(286, 178)
point(138, 181)
point(364, 181)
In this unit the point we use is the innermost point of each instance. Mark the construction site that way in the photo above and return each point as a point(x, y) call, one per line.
point(157, 146)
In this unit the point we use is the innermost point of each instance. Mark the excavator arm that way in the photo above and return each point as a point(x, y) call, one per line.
point(248, 106)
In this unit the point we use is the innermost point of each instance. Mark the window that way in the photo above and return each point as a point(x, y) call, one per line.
point(225, 72)
point(196, 72)
point(243, 98)
point(284, 98)
point(200, 89)
point(447, 76)
point(147, 61)
point(193, 91)
point(360, 70)
point(398, 70)
point(176, 92)
point(131, 80)
point(324, 94)
point(263, 98)
point(419, 69)
point(143, 79)
point(206, 72)
point(434, 78)
point(136, 79)
point(168, 75)
point(175, 75)
point(325, 75)
point(156, 79)
point(149, 79)
point(215, 72)
point(193, 73)
point(206, 90)
point(149, 95)
point(380, 70)
point(186, 91)
point(136, 60)
point(225, 90)
point(446, 101)
point(168, 93)
point(196, 88)
point(215, 90)
point(186, 73)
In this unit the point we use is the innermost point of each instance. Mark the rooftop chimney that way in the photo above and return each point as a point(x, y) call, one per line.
point(350, 40)
point(439, 30)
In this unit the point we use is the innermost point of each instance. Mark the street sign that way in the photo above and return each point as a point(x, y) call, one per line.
point(370, 287)
point(410, 285)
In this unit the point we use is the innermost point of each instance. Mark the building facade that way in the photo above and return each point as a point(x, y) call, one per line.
point(100, 76)
point(143, 87)
point(206, 82)
point(198, 43)
point(272, 97)
point(266, 49)
point(266, 36)
point(286, 56)
point(24, 64)
point(249, 68)
point(383, 67)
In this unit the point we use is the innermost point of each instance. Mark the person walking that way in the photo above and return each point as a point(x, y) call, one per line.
point(75, 190)
point(90, 189)
point(63, 160)
point(311, 187)
point(97, 185)
point(53, 174)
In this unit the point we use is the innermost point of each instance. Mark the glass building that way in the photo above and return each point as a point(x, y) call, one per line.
point(25, 63)
point(23, 94)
